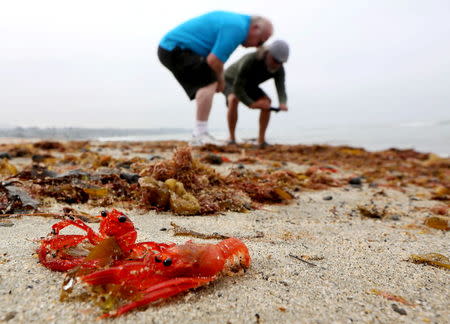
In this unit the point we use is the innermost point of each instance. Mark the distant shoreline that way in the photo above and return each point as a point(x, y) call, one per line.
point(76, 133)
point(423, 137)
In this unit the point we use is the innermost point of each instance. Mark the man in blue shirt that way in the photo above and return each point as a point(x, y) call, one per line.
point(196, 51)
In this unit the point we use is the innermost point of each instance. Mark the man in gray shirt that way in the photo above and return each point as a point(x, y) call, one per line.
point(242, 80)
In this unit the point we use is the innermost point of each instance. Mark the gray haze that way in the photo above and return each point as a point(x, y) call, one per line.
point(94, 64)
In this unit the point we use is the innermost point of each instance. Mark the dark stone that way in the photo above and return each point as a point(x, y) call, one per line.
point(357, 181)
point(130, 177)
point(213, 159)
point(10, 315)
point(240, 166)
point(5, 155)
point(6, 224)
point(399, 310)
point(73, 174)
point(154, 157)
point(125, 164)
point(38, 158)
point(328, 198)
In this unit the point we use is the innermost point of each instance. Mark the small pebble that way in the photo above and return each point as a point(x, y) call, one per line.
point(213, 159)
point(328, 198)
point(9, 316)
point(163, 229)
point(395, 217)
point(154, 157)
point(5, 155)
point(130, 177)
point(357, 181)
point(399, 310)
point(38, 158)
point(125, 164)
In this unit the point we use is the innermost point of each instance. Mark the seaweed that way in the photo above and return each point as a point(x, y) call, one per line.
point(181, 201)
point(6, 168)
point(212, 159)
point(263, 186)
point(433, 259)
point(83, 174)
point(154, 193)
point(301, 259)
point(181, 231)
point(14, 199)
point(390, 296)
point(373, 211)
point(437, 222)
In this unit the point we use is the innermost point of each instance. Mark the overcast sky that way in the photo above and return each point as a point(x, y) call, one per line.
point(94, 64)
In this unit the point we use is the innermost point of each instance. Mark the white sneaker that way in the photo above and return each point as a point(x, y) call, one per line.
point(202, 139)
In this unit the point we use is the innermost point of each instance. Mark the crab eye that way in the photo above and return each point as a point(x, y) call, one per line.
point(122, 218)
point(157, 259)
point(167, 262)
point(104, 213)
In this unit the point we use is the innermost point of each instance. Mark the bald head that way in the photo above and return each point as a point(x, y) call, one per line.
point(260, 31)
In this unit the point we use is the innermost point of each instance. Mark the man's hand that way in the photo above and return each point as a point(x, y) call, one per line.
point(283, 107)
point(263, 103)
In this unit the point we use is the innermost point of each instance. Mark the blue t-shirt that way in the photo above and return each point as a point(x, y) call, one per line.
point(217, 32)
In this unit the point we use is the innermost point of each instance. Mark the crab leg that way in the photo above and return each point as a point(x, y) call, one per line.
point(56, 245)
point(93, 238)
point(162, 290)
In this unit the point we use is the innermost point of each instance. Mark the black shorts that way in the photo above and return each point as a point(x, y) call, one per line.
point(253, 91)
point(190, 69)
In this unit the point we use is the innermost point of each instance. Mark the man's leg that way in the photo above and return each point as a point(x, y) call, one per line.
point(232, 115)
point(264, 118)
point(203, 98)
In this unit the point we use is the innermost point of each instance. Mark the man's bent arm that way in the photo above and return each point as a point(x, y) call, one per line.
point(244, 71)
point(280, 86)
point(217, 66)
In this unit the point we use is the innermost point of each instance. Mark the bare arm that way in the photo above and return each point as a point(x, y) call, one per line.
point(217, 66)
point(281, 88)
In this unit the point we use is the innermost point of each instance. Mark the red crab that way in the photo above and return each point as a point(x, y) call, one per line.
point(130, 274)
point(175, 269)
point(116, 241)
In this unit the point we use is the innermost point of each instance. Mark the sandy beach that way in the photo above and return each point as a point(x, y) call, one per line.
point(337, 253)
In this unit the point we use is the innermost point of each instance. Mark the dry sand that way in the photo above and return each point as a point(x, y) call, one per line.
point(349, 257)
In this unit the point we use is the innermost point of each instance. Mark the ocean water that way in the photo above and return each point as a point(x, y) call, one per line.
point(423, 137)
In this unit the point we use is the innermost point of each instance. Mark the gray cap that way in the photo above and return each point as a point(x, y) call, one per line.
point(279, 50)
